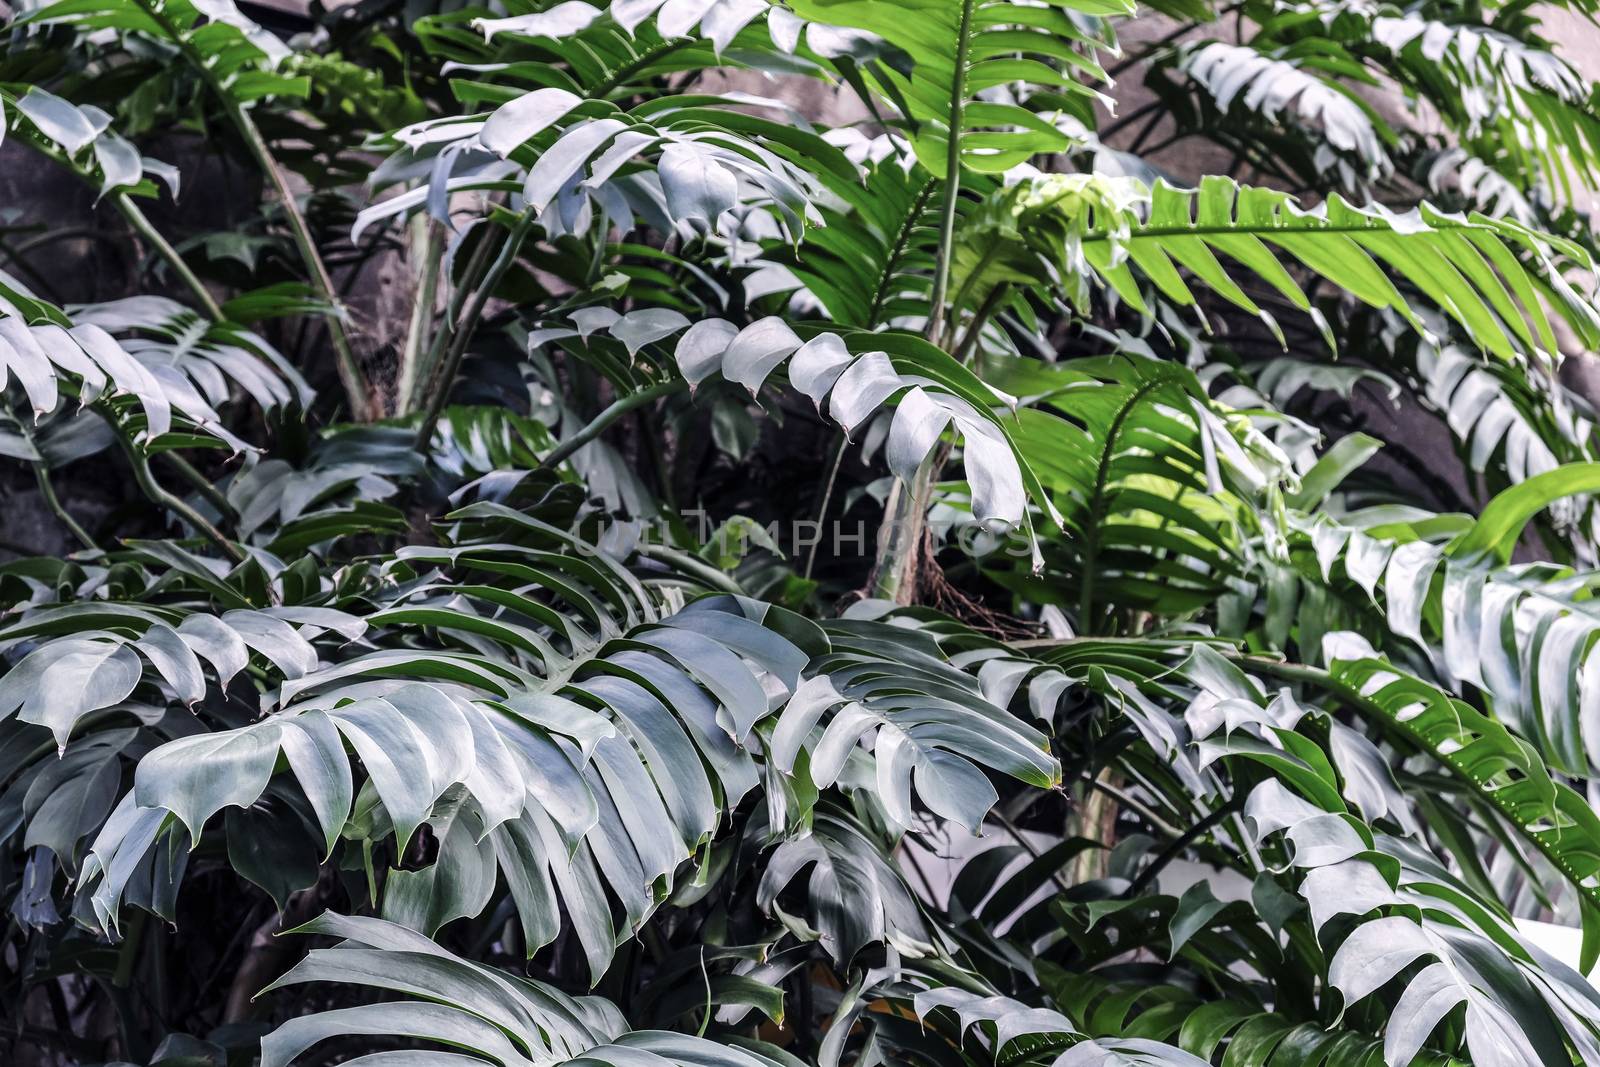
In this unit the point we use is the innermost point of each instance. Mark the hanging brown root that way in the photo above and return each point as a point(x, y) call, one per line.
point(942, 594)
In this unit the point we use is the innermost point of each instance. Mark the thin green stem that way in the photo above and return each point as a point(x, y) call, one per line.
point(904, 527)
point(980, 319)
point(128, 952)
point(40, 283)
point(440, 390)
point(902, 241)
point(1134, 804)
point(41, 474)
point(413, 371)
point(173, 503)
point(67, 233)
point(1028, 846)
point(118, 989)
point(973, 277)
point(614, 411)
point(952, 176)
point(136, 218)
point(827, 496)
point(619, 77)
point(203, 486)
point(652, 431)
point(1090, 553)
point(1153, 869)
point(142, 225)
point(477, 266)
point(357, 392)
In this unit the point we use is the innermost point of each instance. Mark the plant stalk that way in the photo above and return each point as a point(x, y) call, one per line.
point(1153, 869)
point(439, 340)
point(357, 392)
point(827, 497)
point(902, 240)
point(441, 382)
point(41, 474)
point(1134, 804)
point(413, 371)
point(902, 532)
point(952, 176)
point(905, 515)
point(969, 340)
point(173, 503)
point(601, 422)
point(203, 486)
point(1090, 552)
point(143, 226)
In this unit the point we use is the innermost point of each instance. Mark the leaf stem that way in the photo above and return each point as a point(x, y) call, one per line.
point(440, 383)
point(357, 391)
point(1153, 869)
point(616, 79)
point(904, 527)
point(903, 531)
point(41, 474)
point(827, 497)
point(143, 226)
point(980, 319)
point(1134, 804)
point(1090, 553)
point(616, 410)
point(973, 277)
point(203, 486)
point(902, 240)
point(477, 265)
point(952, 176)
point(173, 503)
point(425, 245)
point(137, 219)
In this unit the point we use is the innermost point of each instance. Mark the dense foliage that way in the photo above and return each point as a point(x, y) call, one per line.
point(609, 651)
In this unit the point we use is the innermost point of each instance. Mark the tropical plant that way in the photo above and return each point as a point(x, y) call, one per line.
point(498, 664)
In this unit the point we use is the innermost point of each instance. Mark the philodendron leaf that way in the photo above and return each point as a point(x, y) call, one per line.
point(56, 685)
point(450, 652)
point(1381, 949)
point(852, 377)
point(564, 18)
point(524, 118)
point(1196, 908)
point(1501, 523)
point(58, 119)
point(488, 1015)
point(195, 777)
point(1127, 1052)
point(1006, 1024)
